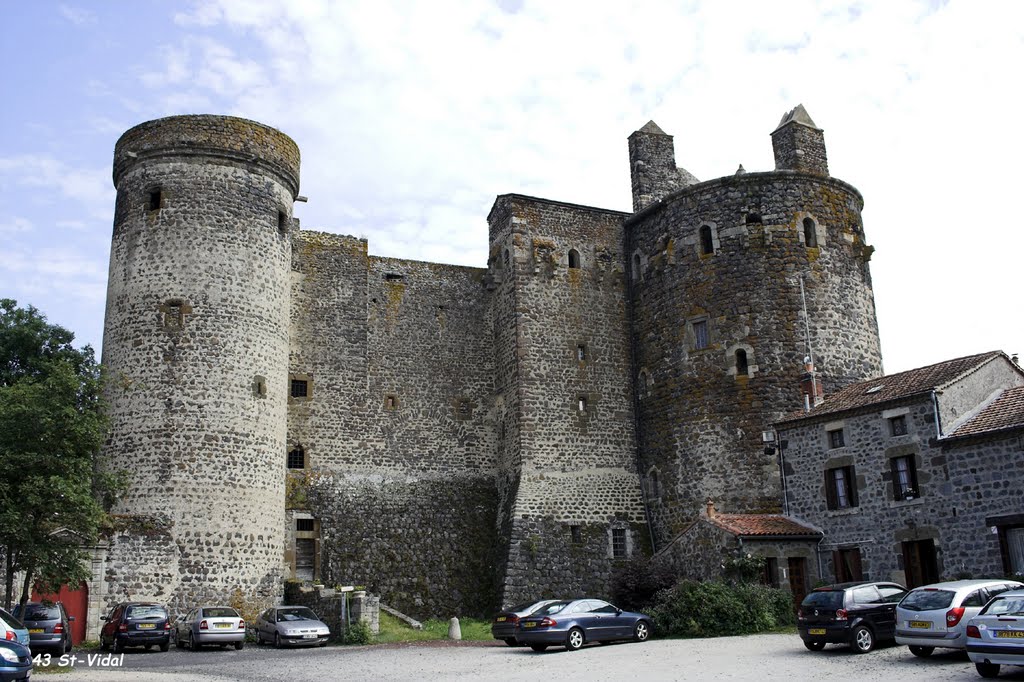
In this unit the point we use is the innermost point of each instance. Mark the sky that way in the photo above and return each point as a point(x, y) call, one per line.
point(413, 116)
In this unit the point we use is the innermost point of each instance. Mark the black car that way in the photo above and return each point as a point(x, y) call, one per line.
point(136, 624)
point(49, 626)
point(15, 661)
point(858, 614)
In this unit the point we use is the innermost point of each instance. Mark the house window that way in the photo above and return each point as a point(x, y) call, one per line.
point(771, 572)
point(840, 488)
point(305, 525)
point(700, 334)
point(574, 259)
point(154, 198)
point(297, 458)
point(836, 438)
point(575, 534)
point(581, 352)
point(741, 363)
point(618, 542)
point(707, 244)
point(904, 478)
point(846, 565)
point(810, 234)
point(300, 388)
point(898, 425)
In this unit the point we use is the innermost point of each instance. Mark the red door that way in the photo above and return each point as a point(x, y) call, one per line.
point(76, 603)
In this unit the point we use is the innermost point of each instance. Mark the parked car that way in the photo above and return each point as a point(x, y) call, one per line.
point(49, 626)
point(937, 615)
point(291, 625)
point(859, 614)
point(575, 622)
point(143, 624)
point(12, 629)
point(210, 625)
point(15, 661)
point(503, 626)
point(995, 636)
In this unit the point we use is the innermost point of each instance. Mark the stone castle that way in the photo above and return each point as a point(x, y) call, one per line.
point(452, 438)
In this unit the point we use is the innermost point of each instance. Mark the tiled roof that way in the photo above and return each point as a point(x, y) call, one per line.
point(762, 524)
point(895, 386)
point(1005, 412)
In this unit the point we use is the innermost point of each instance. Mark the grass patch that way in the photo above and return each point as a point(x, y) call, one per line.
point(394, 630)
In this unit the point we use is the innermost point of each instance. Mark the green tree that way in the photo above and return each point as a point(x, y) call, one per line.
point(51, 427)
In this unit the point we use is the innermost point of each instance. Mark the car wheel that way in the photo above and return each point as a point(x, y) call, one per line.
point(277, 640)
point(239, 645)
point(922, 651)
point(641, 631)
point(193, 645)
point(147, 647)
point(574, 640)
point(67, 646)
point(118, 646)
point(166, 645)
point(259, 639)
point(987, 669)
point(539, 647)
point(814, 645)
point(511, 641)
point(862, 639)
point(103, 645)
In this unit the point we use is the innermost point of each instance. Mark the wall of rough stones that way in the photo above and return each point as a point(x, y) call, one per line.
point(700, 415)
point(196, 321)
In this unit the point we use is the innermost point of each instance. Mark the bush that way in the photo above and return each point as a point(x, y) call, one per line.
point(357, 633)
point(636, 583)
point(712, 609)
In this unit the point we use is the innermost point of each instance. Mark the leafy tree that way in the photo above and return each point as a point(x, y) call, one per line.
point(51, 427)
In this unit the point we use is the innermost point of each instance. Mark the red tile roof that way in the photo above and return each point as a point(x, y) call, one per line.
point(892, 387)
point(763, 525)
point(1005, 412)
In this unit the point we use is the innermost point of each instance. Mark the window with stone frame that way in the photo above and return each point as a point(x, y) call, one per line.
point(297, 458)
point(836, 438)
point(300, 388)
point(619, 548)
point(154, 199)
point(581, 352)
point(707, 242)
point(307, 525)
point(574, 259)
point(904, 478)
point(581, 404)
point(742, 367)
point(898, 425)
point(810, 234)
point(701, 339)
point(841, 488)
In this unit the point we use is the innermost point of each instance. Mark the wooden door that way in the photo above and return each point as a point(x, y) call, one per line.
point(797, 578)
point(76, 603)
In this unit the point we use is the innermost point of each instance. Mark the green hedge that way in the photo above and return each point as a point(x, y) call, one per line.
point(712, 609)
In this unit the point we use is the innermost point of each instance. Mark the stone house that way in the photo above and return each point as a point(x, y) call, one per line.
point(914, 477)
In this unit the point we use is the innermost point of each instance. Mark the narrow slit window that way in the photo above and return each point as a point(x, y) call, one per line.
point(742, 369)
point(581, 352)
point(153, 199)
point(282, 222)
point(810, 234)
point(574, 259)
point(576, 535)
point(636, 266)
point(707, 244)
point(581, 404)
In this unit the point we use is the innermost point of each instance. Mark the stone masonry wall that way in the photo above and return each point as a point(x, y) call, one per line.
point(700, 415)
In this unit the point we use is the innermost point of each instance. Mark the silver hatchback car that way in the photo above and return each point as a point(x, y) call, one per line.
point(209, 625)
point(936, 616)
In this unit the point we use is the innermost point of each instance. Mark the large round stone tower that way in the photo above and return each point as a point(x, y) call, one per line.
point(196, 349)
point(733, 283)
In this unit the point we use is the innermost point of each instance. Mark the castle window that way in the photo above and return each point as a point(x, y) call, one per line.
point(300, 388)
point(836, 439)
point(753, 218)
point(173, 314)
point(904, 478)
point(574, 259)
point(707, 243)
point(463, 409)
point(581, 404)
point(305, 525)
point(390, 402)
point(507, 259)
point(154, 199)
point(259, 386)
point(898, 425)
point(297, 458)
point(576, 535)
point(840, 488)
point(581, 352)
point(700, 335)
point(393, 277)
point(810, 234)
point(653, 487)
point(742, 369)
point(282, 222)
point(618, 543)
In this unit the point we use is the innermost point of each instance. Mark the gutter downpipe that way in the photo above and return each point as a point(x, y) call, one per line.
point(938, 421)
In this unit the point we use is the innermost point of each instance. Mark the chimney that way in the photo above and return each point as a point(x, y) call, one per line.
point(711, 508)
point(810, 386)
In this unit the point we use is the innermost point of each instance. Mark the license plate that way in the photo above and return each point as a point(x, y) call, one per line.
point(816, 631)
point(500, 619)
point(147, 626)
point(921, 624)
point(35, 631)
point(1009, 634)
point(222, 625)
point(529, 624)
point(309, 637)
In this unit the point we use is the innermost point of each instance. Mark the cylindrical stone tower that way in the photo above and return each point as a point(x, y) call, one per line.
point(196, 352)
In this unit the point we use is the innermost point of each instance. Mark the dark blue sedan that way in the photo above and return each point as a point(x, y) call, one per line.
point(15, 661)
point(575, 622)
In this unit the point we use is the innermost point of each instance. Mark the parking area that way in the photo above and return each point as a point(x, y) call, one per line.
point(756, 657)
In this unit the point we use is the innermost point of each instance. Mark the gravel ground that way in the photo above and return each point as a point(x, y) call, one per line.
point(757, 657)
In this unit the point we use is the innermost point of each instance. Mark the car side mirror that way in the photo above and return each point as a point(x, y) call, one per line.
point(618, 612)
point(71, 619)
point(103, 618)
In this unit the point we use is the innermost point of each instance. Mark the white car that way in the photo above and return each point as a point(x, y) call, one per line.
point(996, 635)
point(936, 616)
point(291, 626)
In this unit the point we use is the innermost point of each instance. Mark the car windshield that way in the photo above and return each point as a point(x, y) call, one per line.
point(927, 600)
point(146, 611)
point(551, 608)
point(828, 599)
point(525, 606)
point(11, 621)
point(297, 613)
point(38, 612)
point(220, 612)
point(1005, 606)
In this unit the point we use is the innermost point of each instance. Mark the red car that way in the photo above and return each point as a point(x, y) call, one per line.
point(136, 624)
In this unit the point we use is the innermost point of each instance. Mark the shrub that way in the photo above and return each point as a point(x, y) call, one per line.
point(711, 609)
point(635, 583)
point(357, 633)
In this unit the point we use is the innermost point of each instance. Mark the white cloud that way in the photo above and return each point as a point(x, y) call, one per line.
point(77, 15)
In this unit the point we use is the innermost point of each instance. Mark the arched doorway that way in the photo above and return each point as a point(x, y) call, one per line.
point(76, 603)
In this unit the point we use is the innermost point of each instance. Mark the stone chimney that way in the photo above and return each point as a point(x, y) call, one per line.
point(810, 386)
point(711, 508)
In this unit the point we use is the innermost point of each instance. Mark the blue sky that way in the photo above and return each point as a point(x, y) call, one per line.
point(413, 116)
